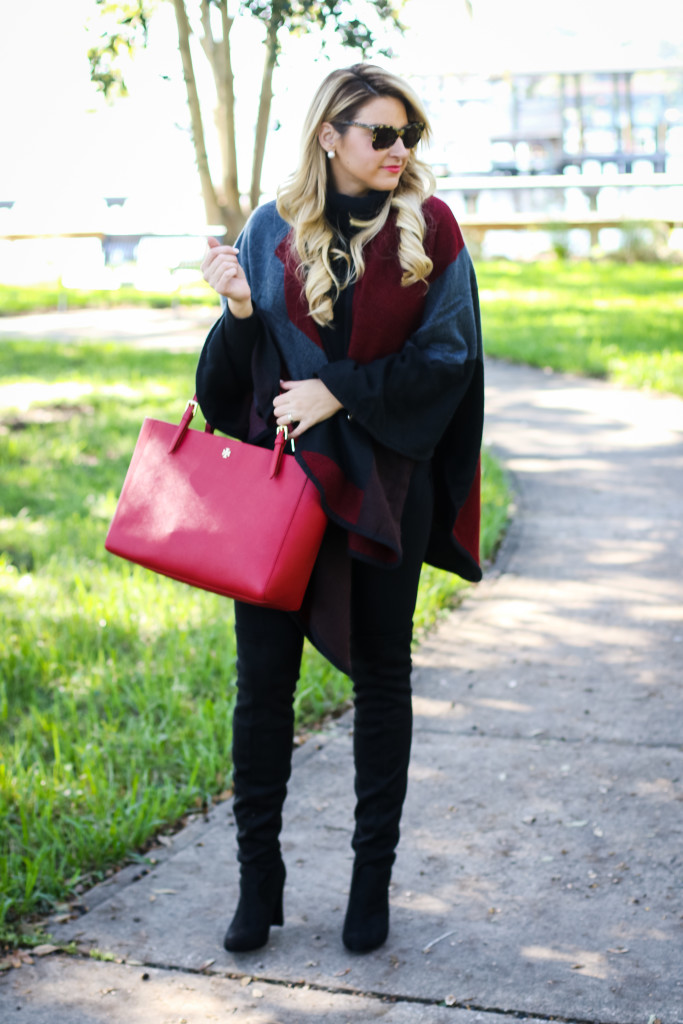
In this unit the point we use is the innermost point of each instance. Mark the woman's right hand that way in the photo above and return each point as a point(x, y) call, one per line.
point(222, 271)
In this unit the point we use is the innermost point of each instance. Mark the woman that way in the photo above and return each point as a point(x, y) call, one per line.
point(351, 319)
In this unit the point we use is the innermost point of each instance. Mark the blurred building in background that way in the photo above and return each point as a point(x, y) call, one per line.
point(577, 161)
point(546, 123)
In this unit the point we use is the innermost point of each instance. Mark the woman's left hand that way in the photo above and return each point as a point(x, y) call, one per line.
point(304, 403)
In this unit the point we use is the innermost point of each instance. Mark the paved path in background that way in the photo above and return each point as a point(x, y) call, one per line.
point(183, 328)
point(539, 873)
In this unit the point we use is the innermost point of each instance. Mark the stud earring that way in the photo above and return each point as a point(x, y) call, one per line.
point(331, 154)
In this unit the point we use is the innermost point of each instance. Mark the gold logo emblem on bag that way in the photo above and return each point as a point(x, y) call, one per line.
point(226, 453)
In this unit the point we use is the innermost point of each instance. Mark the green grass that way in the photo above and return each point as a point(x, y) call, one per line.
point(39, 298)
point(620, 322)
point(116, 685)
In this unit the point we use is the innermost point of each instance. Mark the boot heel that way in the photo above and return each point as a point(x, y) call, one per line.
point(366, 925)
point(260, 906)
point(278, 911)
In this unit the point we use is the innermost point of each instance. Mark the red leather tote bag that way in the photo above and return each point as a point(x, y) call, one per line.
point(219, 514)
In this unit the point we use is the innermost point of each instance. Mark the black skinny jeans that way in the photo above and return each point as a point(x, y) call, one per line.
point(269, 647)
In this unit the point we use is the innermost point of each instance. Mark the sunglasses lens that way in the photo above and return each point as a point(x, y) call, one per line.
point(384, 138)
point(412, 136)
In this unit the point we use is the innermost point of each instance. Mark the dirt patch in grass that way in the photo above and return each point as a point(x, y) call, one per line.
point(42, 414)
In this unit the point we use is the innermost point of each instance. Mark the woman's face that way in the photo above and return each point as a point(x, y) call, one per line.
point(356, 167)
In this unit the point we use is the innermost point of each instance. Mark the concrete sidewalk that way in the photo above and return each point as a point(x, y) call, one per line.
point(182, 329)
point(539, 873)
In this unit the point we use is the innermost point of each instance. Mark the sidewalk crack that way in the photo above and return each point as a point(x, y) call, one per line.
point(380, 997)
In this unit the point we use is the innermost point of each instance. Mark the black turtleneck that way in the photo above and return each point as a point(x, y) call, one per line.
point(340, 210)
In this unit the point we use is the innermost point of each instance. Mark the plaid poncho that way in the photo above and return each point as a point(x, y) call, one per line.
point(411, 384)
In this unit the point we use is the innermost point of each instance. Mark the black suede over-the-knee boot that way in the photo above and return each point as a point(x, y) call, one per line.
point(382, 738)
point(268, 657)
point(382, 607)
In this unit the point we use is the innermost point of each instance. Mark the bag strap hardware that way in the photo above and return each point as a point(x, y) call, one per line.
point(281, 438)
point(179, 436)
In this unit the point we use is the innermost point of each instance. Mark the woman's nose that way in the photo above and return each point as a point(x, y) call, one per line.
point(398, 149)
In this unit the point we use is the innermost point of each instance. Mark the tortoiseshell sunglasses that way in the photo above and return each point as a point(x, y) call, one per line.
point(384, 135)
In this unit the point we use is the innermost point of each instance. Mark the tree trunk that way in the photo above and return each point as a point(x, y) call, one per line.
point(214, 213)
point(227, 129)
point(265, 101)
point(218, 55)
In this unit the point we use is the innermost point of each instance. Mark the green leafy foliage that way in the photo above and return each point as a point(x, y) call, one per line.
point(124, 29)
point(301, 16)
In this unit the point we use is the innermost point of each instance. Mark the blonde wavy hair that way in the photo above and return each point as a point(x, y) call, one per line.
point(301, 200)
